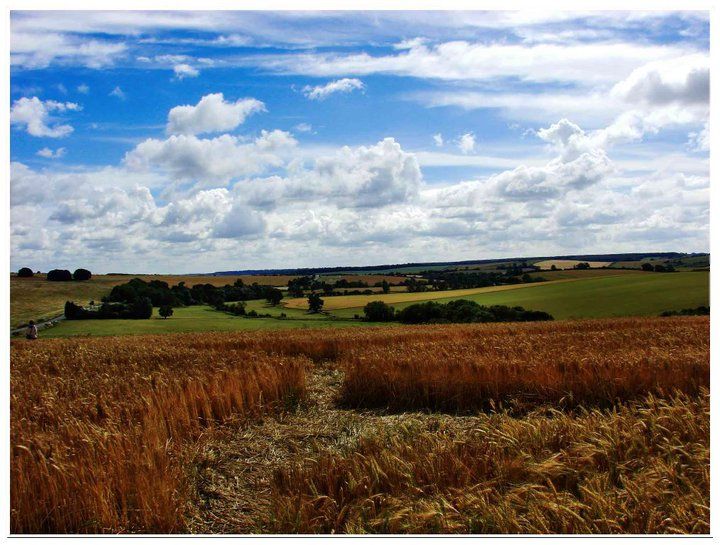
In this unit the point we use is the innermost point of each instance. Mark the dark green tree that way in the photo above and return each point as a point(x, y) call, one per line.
point(25, 273)
point(315, 303)
point(82, 274)
point(385, 286)
point(165, 311)
point(59, 275)
point(274, 296)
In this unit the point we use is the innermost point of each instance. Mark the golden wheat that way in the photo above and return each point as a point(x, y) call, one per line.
point(105, 433)
point(98, 426)
point(639, 469)
point(517, 366)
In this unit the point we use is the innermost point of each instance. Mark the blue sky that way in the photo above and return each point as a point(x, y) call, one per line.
point(193, 142)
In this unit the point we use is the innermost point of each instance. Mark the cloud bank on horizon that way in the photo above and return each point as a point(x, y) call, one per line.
point(194, 142)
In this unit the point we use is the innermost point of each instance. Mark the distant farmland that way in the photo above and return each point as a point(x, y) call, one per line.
point(642, 294)
point(568, 263)
point(35, 298)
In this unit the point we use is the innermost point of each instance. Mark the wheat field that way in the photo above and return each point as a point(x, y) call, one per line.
point(597, 426)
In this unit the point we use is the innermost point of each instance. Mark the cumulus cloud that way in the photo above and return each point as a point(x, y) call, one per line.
point(212, 160)
point(344, 85)
point(579, 163)
point(681, 80)
point(553, 179)
point(438, 139)
point(365, 176)
point(183, 71)
point(34, 115)
point(466, 142)
point(211, 114)
point(47, 153)
point(240, 221)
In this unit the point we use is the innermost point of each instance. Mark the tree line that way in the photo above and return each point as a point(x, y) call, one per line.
point(459, 311)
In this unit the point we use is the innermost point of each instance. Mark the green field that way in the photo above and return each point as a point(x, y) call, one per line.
point(624, 295)
point(583, 273)
point(188, 319)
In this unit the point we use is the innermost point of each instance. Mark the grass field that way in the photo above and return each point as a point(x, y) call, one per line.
point(592, 427)
point(196, 319)
point(623, 295)
point(583, 273)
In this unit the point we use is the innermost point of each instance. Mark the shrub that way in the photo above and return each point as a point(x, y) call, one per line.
point(59, 275)
point(73, 311)
point(82, 274)
point(699, 311)
point(25, 273)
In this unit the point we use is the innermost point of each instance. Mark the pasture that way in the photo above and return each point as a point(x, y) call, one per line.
point(596, 426)
point(606, 296)
point(196, 319)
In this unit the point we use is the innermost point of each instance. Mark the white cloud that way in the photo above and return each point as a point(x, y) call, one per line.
point(545, 106)
point(700, 141)
point(240, 221)
point(118, 93)
point(584, 63)
point(466, 142)
point(83, 89)
point(303, 127)
point(365, 176)
point(438, 139)
point(34, 115)
point(35, 49)
point(183, 71)
point(211, 114)
point(321, 92)
point(47, 153)
point(682, 80)
point(216, 160)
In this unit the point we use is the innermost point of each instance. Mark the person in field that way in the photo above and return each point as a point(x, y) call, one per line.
point(32, 331)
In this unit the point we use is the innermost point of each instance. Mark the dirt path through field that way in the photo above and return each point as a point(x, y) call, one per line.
point(235, 468)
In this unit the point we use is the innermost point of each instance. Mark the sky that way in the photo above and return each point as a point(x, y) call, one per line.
point(179, 142)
